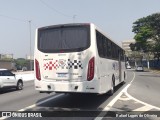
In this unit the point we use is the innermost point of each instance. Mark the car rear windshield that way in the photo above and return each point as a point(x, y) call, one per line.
point(63, 39)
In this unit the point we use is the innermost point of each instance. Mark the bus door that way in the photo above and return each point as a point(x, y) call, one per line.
point(120, 66)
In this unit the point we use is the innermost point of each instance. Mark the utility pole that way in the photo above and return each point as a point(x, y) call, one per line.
point(30, 44)
point(74, 17)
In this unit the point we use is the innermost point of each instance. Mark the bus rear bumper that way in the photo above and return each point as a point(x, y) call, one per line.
point(79, 87)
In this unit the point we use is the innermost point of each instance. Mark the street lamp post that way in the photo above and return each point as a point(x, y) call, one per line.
point(30, 44)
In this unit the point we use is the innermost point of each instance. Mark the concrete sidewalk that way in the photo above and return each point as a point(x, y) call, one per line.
point(24, 72)
point(155, 71)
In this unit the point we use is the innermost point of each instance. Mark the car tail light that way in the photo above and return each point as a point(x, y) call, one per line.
point(38, 74)
point(90, 74)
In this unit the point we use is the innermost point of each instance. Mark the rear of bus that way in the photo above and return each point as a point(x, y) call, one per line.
point(65, 59)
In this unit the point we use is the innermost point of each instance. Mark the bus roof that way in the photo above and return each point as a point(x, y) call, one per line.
point(80, 24)
point(65, 25)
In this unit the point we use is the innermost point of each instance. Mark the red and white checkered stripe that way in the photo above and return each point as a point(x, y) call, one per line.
point(50, 65)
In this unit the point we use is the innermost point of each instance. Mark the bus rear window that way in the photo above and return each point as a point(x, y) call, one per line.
point(63, 39)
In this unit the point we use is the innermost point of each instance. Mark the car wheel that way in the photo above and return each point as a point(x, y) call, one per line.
point(19, 85)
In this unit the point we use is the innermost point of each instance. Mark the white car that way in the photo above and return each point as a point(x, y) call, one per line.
point(128, 67)
point(9, 80)
point(139, 68)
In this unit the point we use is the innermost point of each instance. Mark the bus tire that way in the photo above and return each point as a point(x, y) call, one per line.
point(124, 75)
point(123, 82)
point(111, 92)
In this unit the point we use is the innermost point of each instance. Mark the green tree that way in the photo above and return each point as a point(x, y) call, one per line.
point(21, 62)
point(132, 46)
point(147, 29)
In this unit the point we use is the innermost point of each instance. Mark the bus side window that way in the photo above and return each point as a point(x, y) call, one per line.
point(116, 52)
point(109, 49)
point(99, 44)
point(105, 47)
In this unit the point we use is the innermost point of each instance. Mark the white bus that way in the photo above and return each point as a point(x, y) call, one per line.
point(77, 58)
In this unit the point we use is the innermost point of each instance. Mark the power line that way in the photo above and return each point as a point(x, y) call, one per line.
point(17, 19)
point(24, 21)
point(13, 18)
point(55, 10)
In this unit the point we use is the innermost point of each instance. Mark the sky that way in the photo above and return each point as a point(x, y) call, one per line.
point(113, 17)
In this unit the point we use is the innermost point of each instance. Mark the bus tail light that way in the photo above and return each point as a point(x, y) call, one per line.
point(38, 74)
point(90, 74)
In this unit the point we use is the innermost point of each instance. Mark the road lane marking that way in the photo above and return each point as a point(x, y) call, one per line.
point(124, 99)
point(114, 109)
point(37, 104)
point(111, 103)
point(121, 92)
point(124, 90)
point(146, 104)
point(34, 105)
point(143, 108)
point(139, 101)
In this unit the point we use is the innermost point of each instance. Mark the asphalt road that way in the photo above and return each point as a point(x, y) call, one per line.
point(144, 87)
point(13, 100)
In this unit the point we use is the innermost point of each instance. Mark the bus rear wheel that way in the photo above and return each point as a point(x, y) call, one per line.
point(123, 82)
point(111, 92)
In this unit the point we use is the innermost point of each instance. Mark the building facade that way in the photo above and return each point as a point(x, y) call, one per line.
point(125, 45)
